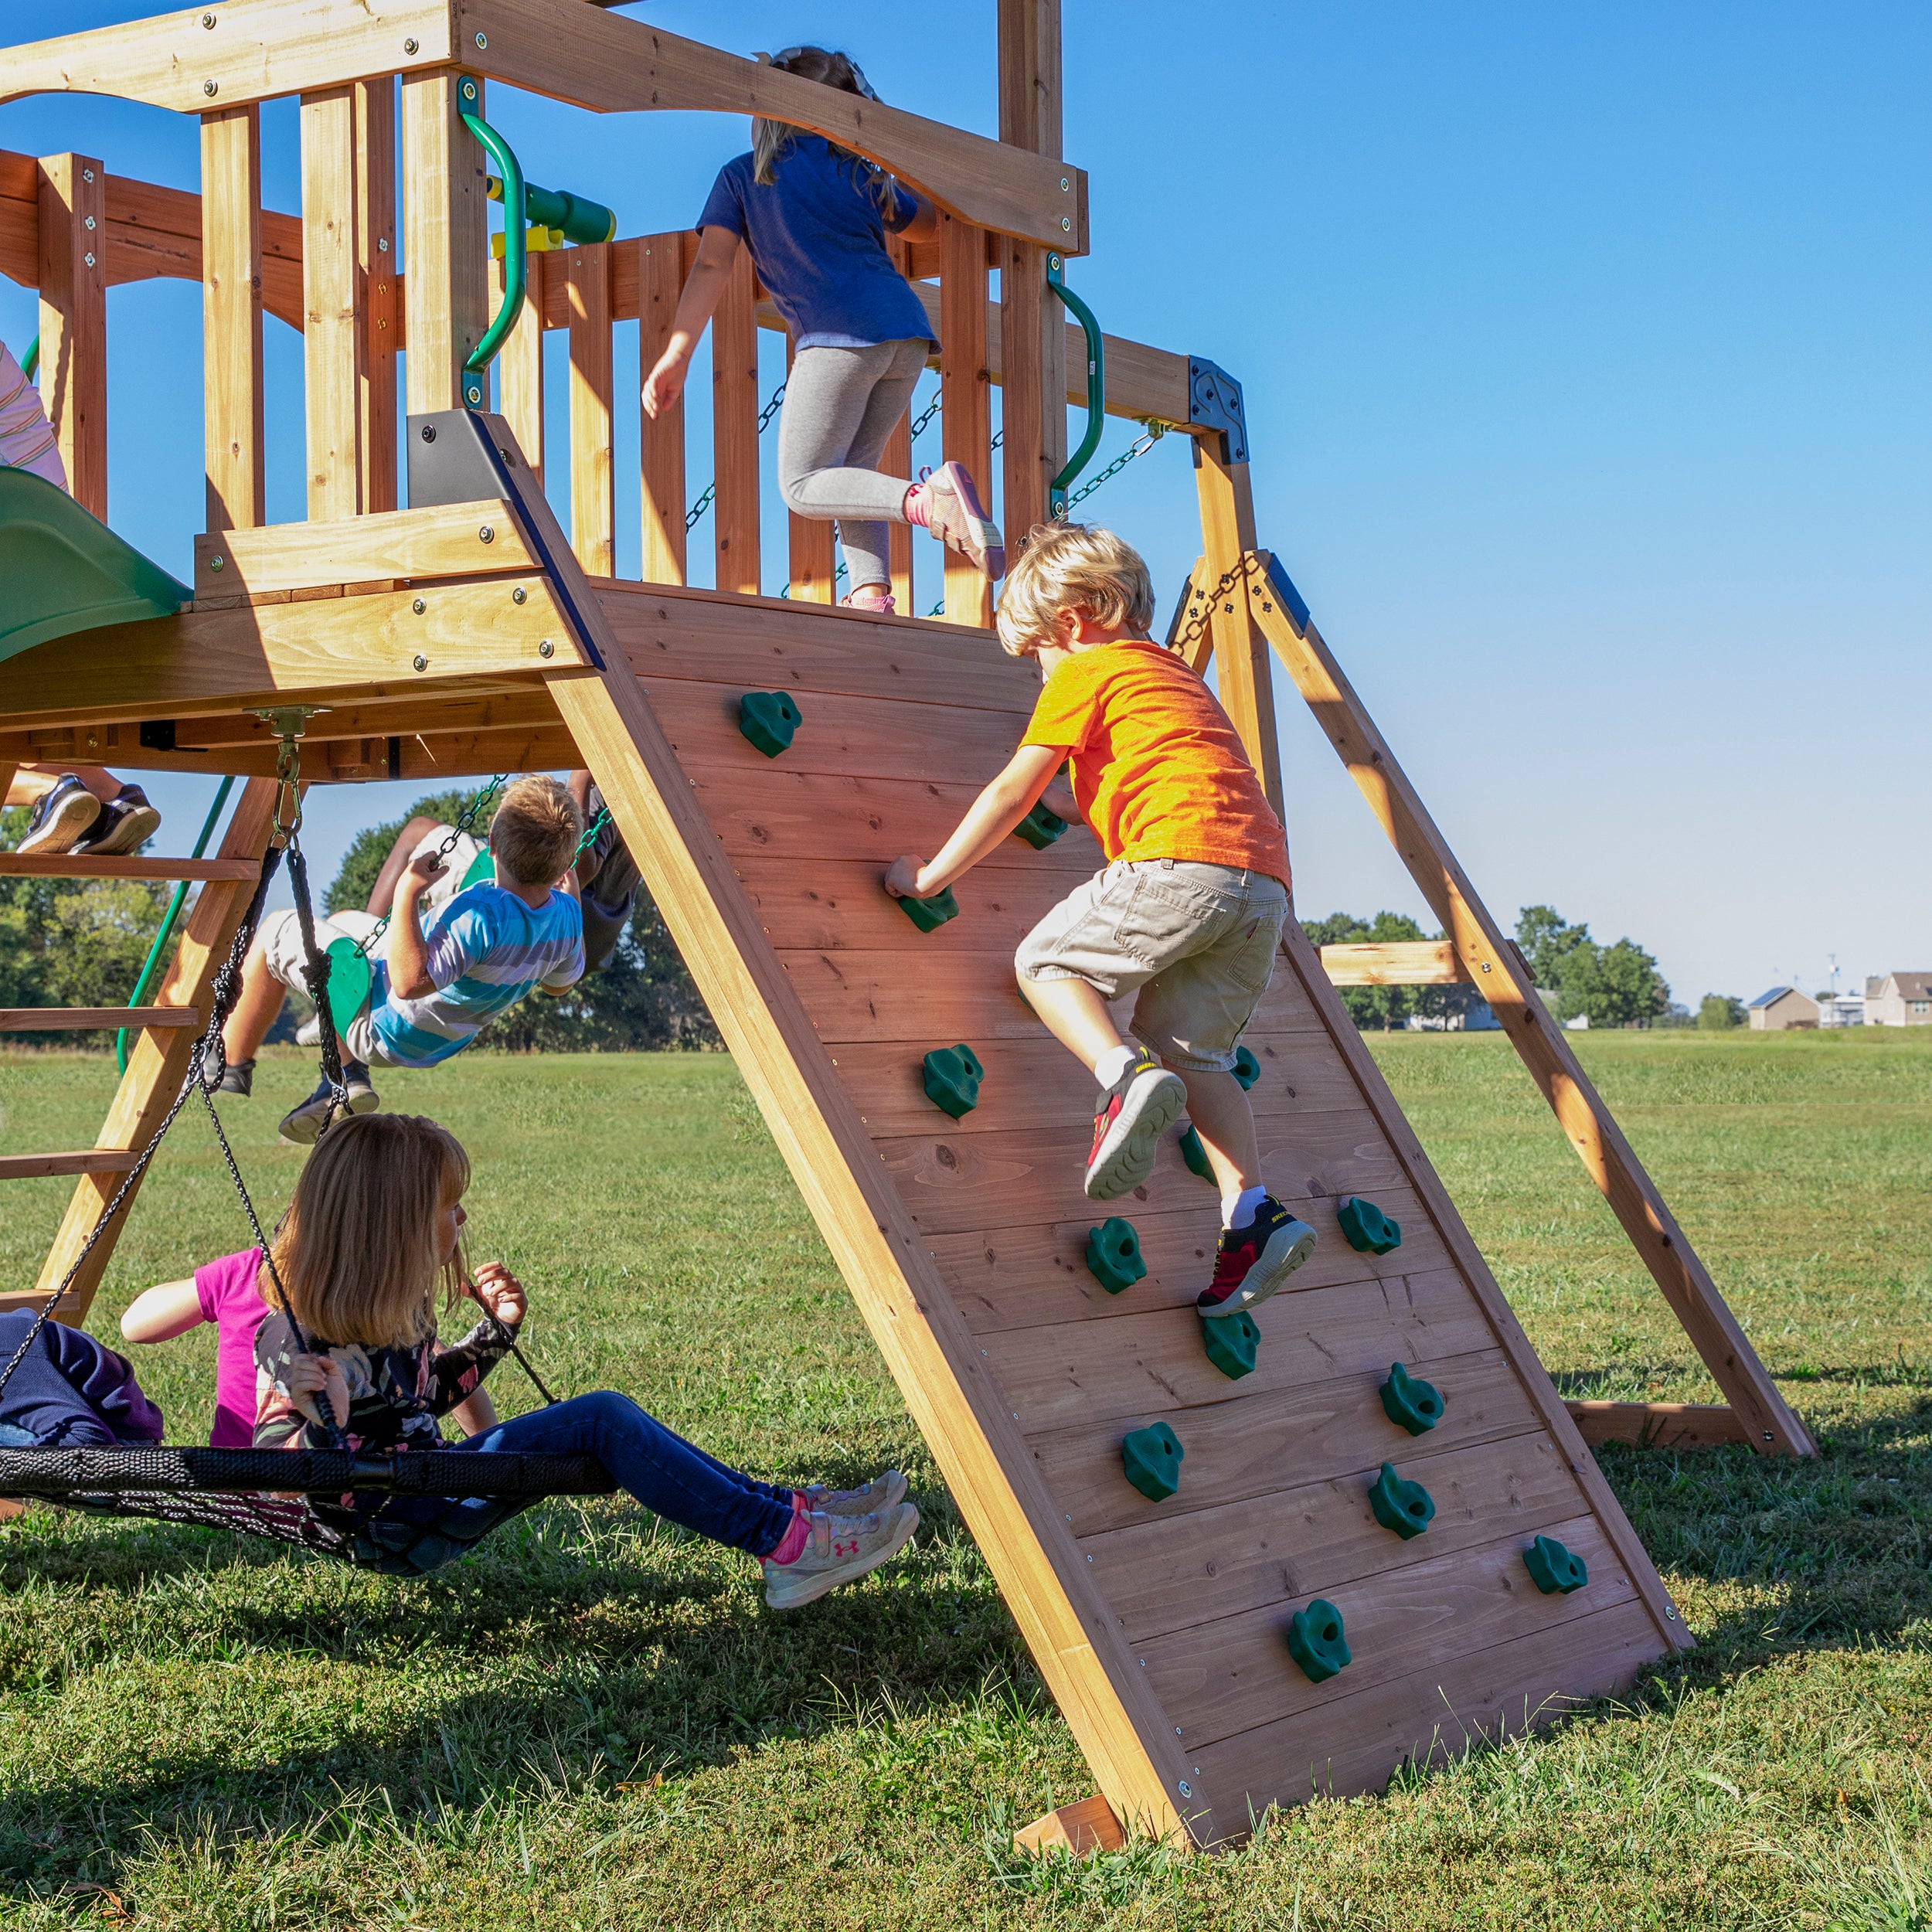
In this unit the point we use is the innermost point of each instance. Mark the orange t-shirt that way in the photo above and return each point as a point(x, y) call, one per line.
point(1158, 766)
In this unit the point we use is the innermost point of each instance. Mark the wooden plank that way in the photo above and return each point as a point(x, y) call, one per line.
point(1088, 1826)
point(1419, 962)
point(49, 865)
point(380, 336)
point(72, 375)
point(898, 461)
point(20, 219)
point(1240, 646)
point(734, 432)
point(520, 378)
point(457, 711)
point(661, 444)
point(813, 566)
point(445, 239)
point(444, 542)
point(1659, 1425)
point(1496, 969)
point(231, 310)
point(30, 1167)
point(333, 346)
point(966, 421)
point(592, 476)
point(60, 1019)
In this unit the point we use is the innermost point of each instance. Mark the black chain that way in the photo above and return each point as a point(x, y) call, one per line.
point(710, 496)
point(465, 820)
point(1195, 627)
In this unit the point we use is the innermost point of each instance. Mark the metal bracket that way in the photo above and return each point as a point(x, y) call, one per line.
point(1290, 599)
point(288, 721)
point(1214, 403)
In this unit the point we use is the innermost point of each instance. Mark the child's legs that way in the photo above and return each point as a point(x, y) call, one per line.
point(1072, 1011)
point(273, 964)
point(1218, 1106)
point(658, 1468)
point(30, 782)
point(1070, 965)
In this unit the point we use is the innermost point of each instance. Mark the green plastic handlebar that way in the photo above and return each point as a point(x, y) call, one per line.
point(31, 361)
point(515, 260)
point(1096, 386)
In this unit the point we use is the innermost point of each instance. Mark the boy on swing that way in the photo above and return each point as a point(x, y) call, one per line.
point(1189, 911)
point(434, 987)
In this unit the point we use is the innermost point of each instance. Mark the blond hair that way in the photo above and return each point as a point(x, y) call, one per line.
point(1078, 567)
point(771, 138)
point(357, 1254)
point(535, 833)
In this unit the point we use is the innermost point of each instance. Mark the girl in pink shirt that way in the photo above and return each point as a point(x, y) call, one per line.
point(223, 1292)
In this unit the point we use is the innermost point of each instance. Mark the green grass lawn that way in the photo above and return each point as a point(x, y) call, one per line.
point(596, 1723)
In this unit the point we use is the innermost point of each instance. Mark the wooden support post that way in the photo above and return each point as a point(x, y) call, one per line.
point(1088, 1826)
point(734, 430)
point(898, 461)
point(231, 309)
point(1240, 648)
point(376, 284)
point(660, 444)
point(966, 397)
point(73, 320)
point(1497, 969)
point(445, 239)
point(593, 500)
point(332, 348)
point(520, 371)
point(1659, 1425)
point(813, 563)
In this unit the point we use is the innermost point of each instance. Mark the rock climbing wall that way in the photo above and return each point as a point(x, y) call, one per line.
point(1297, 1638)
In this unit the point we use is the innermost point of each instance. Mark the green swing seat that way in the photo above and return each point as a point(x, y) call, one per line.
point(62, 569)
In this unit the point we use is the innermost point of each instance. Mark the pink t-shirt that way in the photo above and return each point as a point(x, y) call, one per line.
point(230, 1300)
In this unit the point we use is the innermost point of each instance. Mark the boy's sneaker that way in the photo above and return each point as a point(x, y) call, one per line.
point(840, 1550)
point(1252, 1262)
point(955, 515)
point(302, 1125)
point(237, 1077)
point(124, 825)
point(1134, 1112)
point(883, 1492)
point(60, 818)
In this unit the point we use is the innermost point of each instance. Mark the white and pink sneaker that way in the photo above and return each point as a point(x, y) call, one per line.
point(947, 504)
point(838, 1550)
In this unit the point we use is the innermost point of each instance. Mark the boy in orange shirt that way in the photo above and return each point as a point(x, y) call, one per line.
point(1189, 911)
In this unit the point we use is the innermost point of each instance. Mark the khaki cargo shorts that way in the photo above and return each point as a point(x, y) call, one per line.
point(280, 935)
point(1197, 941)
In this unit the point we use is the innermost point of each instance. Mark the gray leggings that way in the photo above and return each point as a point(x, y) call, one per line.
point(841, 404)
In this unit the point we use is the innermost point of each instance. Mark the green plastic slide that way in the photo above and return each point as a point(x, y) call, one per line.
point(62, 569)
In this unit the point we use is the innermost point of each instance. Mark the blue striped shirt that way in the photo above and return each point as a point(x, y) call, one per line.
point(487, 950)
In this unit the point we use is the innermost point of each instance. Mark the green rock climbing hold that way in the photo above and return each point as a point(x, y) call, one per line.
point(482, 872)
point(349, 982)
point(1367, 1228)
point(1406, 1508)
point(1315, 1640)
point(1152, 1457)
point(1194, 1154)
point(1247, 1069)
point(1231, 1341)
point(1113, 1254)
point(768, 718)
point(1409, 1401)
point(931, 912)
point(1040, 827)
point(953, 1075)
point(1553, 1568)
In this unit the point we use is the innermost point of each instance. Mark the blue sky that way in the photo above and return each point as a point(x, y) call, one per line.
point(1585, 351)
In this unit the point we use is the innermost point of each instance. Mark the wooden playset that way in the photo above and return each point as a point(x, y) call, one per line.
point(1363, 1528)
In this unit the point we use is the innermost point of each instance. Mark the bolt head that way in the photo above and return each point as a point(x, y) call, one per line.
point(1065, 185)
point(89, 259)
point(429, 432)
point(208, 88)
point(89, 223)
point(486, 534)
point(86, 174)
point(409, 45)
point(1066, 222)
point(482, 40)
point(420, 662)
point(547, 649)
point(419, 607)
point(208, 20)
point(217, 563)
point(1181, 1784)
point(518, 595)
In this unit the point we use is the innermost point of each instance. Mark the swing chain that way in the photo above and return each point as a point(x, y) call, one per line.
point(465, 819)
point(1195, 627)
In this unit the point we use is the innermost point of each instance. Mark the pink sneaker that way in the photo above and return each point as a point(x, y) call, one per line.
point(952, 510)
point(871, 597)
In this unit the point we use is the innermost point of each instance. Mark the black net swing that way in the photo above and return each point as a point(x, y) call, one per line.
point(401, 1514)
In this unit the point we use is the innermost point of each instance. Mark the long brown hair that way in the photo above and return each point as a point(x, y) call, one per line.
point(357, 1252)
point(771, 138)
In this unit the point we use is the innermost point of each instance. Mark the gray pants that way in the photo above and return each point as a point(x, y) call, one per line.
point(841, 404)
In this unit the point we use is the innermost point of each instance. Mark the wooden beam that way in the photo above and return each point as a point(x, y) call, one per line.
point(593, 478)
point(334, 361)
point(1660, 1425)
point(1420, 962)
point(520, 377)
point(445, 239)
point(34, 1167)
point(1240, 647)
point(379, 335)
point(814, 566)
point(447, 541)
point(73, 321)
point(661, 444)
point(56, 865)
point(966, 418)
point(1089, 1825)
point(734, 431)
point(1495, 967)
point(66, 1019)
point(231, 309)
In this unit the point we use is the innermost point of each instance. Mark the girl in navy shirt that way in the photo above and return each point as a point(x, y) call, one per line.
point(816, 218)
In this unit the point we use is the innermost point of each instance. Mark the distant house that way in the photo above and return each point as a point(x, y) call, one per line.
point(1841, 1009)
point(1783, 1007)
point(1898, 999)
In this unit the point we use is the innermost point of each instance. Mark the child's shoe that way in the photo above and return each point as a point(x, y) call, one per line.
point(60, 818)
point(1134, 1112)
point(301, 1125)
point(947, 504)
point(871, 597)
point(886, 1491)
point(1252, 1262)
point(124, 825)
point(839, 1549)
point(237, 1078)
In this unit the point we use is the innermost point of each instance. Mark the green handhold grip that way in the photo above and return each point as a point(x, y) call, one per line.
point(1367, 1228)
point(349, 975)
point(1040, 827)
point(482, 871)
point(1247, 1069)
point(768, 718)
point(1553, 1568)
point(1231, 1341)
point(932, 912)
point(1113, 1254)
point(1152, 1457)
point(1406, 1508)
point(953, 1075)
point(1315, 1640)
point(1195, 1155)
point(1409, 1401)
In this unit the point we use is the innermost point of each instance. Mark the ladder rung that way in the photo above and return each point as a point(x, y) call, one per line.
point(66, 1019)
point(88, 1160)
point(66, 864)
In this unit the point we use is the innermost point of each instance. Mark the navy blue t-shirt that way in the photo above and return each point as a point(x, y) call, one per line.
point(818, 237)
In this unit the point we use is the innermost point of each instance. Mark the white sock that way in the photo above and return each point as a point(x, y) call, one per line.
point(1113, 1063)
point(1239, 1211)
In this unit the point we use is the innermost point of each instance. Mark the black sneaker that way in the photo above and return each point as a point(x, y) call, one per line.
point(124, 825)
point(60, 818)
point(302, 1125)
point(1134, 1112)
point(1252, 1262)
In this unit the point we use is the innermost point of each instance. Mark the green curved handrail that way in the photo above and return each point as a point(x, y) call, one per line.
point(1095, 387)
point(31, 361)
point(515, 249)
